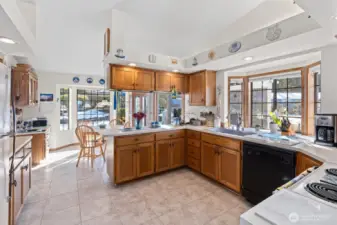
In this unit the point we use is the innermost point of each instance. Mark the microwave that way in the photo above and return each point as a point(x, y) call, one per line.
point(37, 122)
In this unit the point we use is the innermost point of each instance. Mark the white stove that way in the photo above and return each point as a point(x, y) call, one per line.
point(320, 185)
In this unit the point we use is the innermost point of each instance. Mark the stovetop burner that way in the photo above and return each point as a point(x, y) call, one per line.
point(323, 191)
point(332, 171)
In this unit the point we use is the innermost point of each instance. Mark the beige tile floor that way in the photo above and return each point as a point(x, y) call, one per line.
point(64, 194)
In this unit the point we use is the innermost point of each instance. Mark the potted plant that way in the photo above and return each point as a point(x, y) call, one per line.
point(283, 123)
point(138, 117)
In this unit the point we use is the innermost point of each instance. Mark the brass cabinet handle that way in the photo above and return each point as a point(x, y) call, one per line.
point(25, 167)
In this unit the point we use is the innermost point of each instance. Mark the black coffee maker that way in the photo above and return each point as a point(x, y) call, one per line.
point(326, 125)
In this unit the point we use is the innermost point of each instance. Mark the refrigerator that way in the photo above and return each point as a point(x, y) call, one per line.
point(5, 127)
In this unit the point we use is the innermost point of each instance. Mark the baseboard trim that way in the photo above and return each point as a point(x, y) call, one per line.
point(64, 146)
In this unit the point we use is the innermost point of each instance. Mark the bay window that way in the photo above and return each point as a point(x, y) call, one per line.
point(282, 93)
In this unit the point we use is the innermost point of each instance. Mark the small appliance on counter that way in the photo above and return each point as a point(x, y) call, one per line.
point(36, 122)
point(210, 117)
point(325, 127)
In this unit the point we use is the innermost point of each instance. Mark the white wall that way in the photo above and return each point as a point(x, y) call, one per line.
point(329, 79)
point(51, 83)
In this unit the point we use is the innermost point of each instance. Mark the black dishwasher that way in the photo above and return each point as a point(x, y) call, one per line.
point(265, 168)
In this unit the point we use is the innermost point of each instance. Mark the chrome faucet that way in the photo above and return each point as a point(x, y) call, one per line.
point(238, 122)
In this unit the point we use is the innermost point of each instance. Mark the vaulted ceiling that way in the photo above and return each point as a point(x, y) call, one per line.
point(67, 35)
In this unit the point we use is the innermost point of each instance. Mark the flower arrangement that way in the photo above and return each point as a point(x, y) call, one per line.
point(281, 121)
point(138, 116)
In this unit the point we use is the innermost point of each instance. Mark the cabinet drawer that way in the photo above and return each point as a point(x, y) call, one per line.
point(193, 152)
point(193, 163)
point(170, 135)
point(193, 134)
point(222, 141)
point(194, 143)
point(132, 140)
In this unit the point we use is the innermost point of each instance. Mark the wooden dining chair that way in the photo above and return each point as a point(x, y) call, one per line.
point(89, 141)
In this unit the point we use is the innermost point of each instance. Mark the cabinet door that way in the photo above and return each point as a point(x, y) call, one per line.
point(144, 80)
point(145, 159)
point(209, 160)
point(17, 197)
point(163, 81)
point(177, 152)
point(163, 155)
point(229, 168)
point(178, 81)
point(26, 177)
point(126, 163)
point(122, 78)
point(197, 89)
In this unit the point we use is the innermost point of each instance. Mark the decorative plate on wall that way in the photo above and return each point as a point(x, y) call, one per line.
point(174, 61)
point(211, 55)
point(90, 80)
point(76, 80)
point(273, 33)
point(234, 47)
point(101, 81)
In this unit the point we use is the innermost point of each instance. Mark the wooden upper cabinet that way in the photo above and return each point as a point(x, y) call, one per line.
point(144, 80)
point(209, 160)
point(126, 163)
point(126, 78)
point(24, 86)
point(177, 152)
point(229, 168)
point(122, 78)
point(145, 159)
point(178, 81)
point(163, 155)
point(163, 81)
point(202, 88)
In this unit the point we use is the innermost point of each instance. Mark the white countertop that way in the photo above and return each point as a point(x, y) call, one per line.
point(307, 146)
point(40, 130)
point(6, 145)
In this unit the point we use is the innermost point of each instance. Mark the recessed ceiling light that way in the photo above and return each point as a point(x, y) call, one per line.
point(175, 71)
point(248, 58)
point(334, 17)
point(7, 40)
point(132, 64)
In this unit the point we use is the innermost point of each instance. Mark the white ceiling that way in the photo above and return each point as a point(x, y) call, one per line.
point(9, 30)
point(180, 28)
point(69, 33)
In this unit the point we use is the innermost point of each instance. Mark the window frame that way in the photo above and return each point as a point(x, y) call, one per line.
point(274, 103)
point(243, 97)
point(69, 108)
point(106, 96)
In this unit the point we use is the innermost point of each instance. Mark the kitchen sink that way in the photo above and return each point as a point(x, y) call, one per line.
point(233, 132)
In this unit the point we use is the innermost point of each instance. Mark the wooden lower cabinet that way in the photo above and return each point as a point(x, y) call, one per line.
point(177, 153)
point(145, 159)
point(163, 155)
point(125, 163)
point(304, 162)
point(209, 160)
point(170, 154)
point(20, 187)
point(229, 168)
point(221, 164)
point(134, 161)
